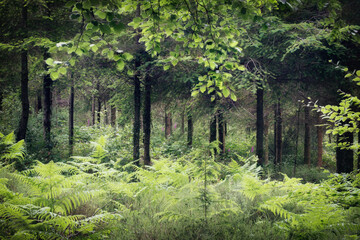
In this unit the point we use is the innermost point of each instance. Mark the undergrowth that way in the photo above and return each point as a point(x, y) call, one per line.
point(103, 195)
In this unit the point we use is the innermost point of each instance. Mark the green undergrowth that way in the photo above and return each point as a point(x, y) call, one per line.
point(192, 196)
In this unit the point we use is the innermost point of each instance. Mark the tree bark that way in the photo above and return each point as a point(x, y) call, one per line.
point(275, 134)
point(47, 88)
point(183, 121)
point(190, 129)
point(266, 142)
point(147, 119)
point(137, 98)
point(71, 115)
point(106, 115)
point(344, 157)
point(93, 118)
point(297, 140)
point(24, 96)
point(221, 131)
point(113, 116)
point(260, 123)
point(319, 132)
point(98, 105)
point(307, 136)
point(38, 105)
point(278, 134)
point(168, 124)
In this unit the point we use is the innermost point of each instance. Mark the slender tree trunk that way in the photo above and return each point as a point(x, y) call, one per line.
point(47, 84)
point(38, 105)
point(93, 118)
point(319, 132)
point(358, 155)
point(106, 113)
point(1, 99)
point(278, 134)
point(307, 136)
point(190, 130)
point(113, 116)
point(98, 105)
point(275, 136)
point(147, 119)
point(266, 142)
point(183, 121)
point(221, 131)
point(260, 124)
point(71, 115)
point(225, 127)
point(297, 139)
point(345, 157)
point(137, 98)
point(21, 133)
point(168, 124)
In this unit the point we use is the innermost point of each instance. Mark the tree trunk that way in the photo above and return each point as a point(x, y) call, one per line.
point(98, 105)
point(221, 131)
point(137, 98)
point(307, 136)
point(297, 140)
point(113, 116)
point(319, 132)
point(47, 86)
point(190, 130)
point(260, 124)
point(38, 105)
point(183, 121)
point(147, 119)
point(266, 142)
point(168, 124)
point(275, 132)
point(93, 118)
point(21, 133)
point(278, 134)
point(106, 115)
point(344, 157)
point(71, 115)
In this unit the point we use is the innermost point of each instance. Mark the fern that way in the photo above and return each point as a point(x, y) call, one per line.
point(10, 150)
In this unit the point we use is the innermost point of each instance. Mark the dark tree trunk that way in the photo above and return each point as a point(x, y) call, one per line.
point(71, 115)
point(266, 142)
point(106, 114)
point(358, 155)
point(1, 99)
point(47, 104)
point(190, 130)
point(21, 133)
point(113, 116)
point(93, 118)
point(38, 105)
point(307, 136)
point(297, 139)
point(319, 132)
point(183, 122)
point(168, 124)
point(275, 132)
point(260, 124)
point(278, 134)
point(98, 105)
point(137, 98)
point(225, 127)
point(147, 119)
point(221, 131)
point(344, 157)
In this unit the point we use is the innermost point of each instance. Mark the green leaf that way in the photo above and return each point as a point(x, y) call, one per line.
point(203, 88)
point(226, 92)
point(62, 70)
point(100, 14)
point(233, 44)
point(174, 62)
point(358, 73)
point(118, 28)
point(72, 61)
point(54, 75)
point(212, 65)
point(50, 61)
point(194, 93)
point(130, 72)
point(128, 56)
point(94, 48)
point(348, 75)
point(166, 67)
point(70, 3)
point(241, 68)
point(120, 65)
point(233, 97)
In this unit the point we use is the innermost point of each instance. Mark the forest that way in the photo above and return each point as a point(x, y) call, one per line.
point(180, 119)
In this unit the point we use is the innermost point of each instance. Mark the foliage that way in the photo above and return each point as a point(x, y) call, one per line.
point(10, 150)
